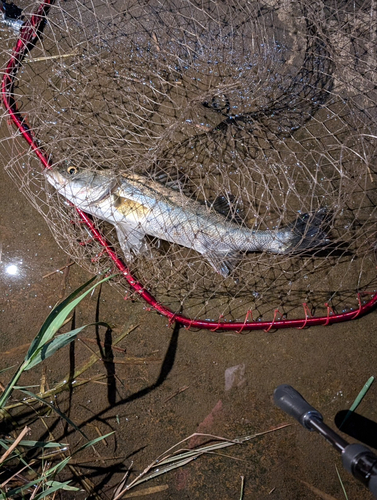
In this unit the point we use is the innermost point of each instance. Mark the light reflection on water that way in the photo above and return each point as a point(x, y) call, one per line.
point(12, 269)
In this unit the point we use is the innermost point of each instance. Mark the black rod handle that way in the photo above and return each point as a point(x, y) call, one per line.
point(292, 403)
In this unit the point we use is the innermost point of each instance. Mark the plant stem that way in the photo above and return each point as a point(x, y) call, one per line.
point(12, 383)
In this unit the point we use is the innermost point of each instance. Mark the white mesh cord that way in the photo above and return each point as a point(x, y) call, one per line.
point(268, 106)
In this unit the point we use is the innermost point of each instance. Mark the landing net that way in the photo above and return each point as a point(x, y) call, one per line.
point(269, 106)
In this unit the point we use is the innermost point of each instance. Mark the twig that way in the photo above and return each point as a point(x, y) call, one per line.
point(318, 492)
point(182, 389)
point(43, 383)
point(58, 270)
point(17, 474)
point(147, 491)
point(24, 431)
point(49, 58)
point(100, 459)
point(65, 279)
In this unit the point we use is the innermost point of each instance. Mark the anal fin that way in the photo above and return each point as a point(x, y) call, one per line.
point(223, 263)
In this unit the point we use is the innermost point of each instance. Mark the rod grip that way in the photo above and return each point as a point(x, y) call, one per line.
point(292, 403)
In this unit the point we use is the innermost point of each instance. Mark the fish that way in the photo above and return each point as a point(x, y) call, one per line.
point(138, 205)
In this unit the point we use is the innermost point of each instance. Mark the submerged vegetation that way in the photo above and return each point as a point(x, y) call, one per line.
point(16, 468)
point(38, 469)
point(33, 468)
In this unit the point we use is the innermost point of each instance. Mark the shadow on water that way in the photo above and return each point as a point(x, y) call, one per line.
point(107, 355)
point(102, 473)
point(166, 367)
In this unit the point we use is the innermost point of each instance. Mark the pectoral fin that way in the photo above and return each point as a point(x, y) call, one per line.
point(131, 240)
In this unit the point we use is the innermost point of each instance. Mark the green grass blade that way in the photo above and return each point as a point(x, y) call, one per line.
point(68, 488)
point(55, 487)
point(341, 484)
point(51, 347)
point(358, 399)
point(362, 393)
point(57, 468)
point(35, 444)
point(56, 410)
point(57, 317)
point(20, 490)
point(93, 442)
point(6, 369)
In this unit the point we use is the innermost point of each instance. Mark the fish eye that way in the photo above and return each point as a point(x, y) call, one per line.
point(72, 170)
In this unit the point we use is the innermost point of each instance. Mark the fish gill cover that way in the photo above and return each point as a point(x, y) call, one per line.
point(260, 113)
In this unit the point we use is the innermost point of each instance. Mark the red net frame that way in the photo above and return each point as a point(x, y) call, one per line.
point(28, 36)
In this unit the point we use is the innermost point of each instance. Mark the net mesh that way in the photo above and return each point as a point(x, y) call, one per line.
point(270, 106)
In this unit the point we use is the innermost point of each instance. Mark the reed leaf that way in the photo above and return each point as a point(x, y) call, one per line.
point(43, 345)
point(50, 348)
point(35, 444)
point(57, 317)
point(57, 343)
point(53, 319)
point(56, 485)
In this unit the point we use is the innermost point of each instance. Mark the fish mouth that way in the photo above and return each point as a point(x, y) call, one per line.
point(61, 183)
point(56, 179)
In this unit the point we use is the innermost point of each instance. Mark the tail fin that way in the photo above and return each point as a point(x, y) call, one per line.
point(309, 232)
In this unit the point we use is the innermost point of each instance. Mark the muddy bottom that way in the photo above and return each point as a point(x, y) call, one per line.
point(159, 385)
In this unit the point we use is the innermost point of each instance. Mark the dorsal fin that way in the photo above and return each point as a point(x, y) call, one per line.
point(172, 178)
point(228, 206)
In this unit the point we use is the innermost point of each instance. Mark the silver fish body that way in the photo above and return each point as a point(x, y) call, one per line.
point(137, 206)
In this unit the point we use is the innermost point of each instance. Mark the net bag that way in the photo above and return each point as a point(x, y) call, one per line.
point(260, 114)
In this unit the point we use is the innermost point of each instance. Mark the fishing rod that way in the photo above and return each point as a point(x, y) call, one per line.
point(357, 459)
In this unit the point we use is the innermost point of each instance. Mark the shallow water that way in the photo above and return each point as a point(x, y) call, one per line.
point(160, 385)
point(227, 381)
